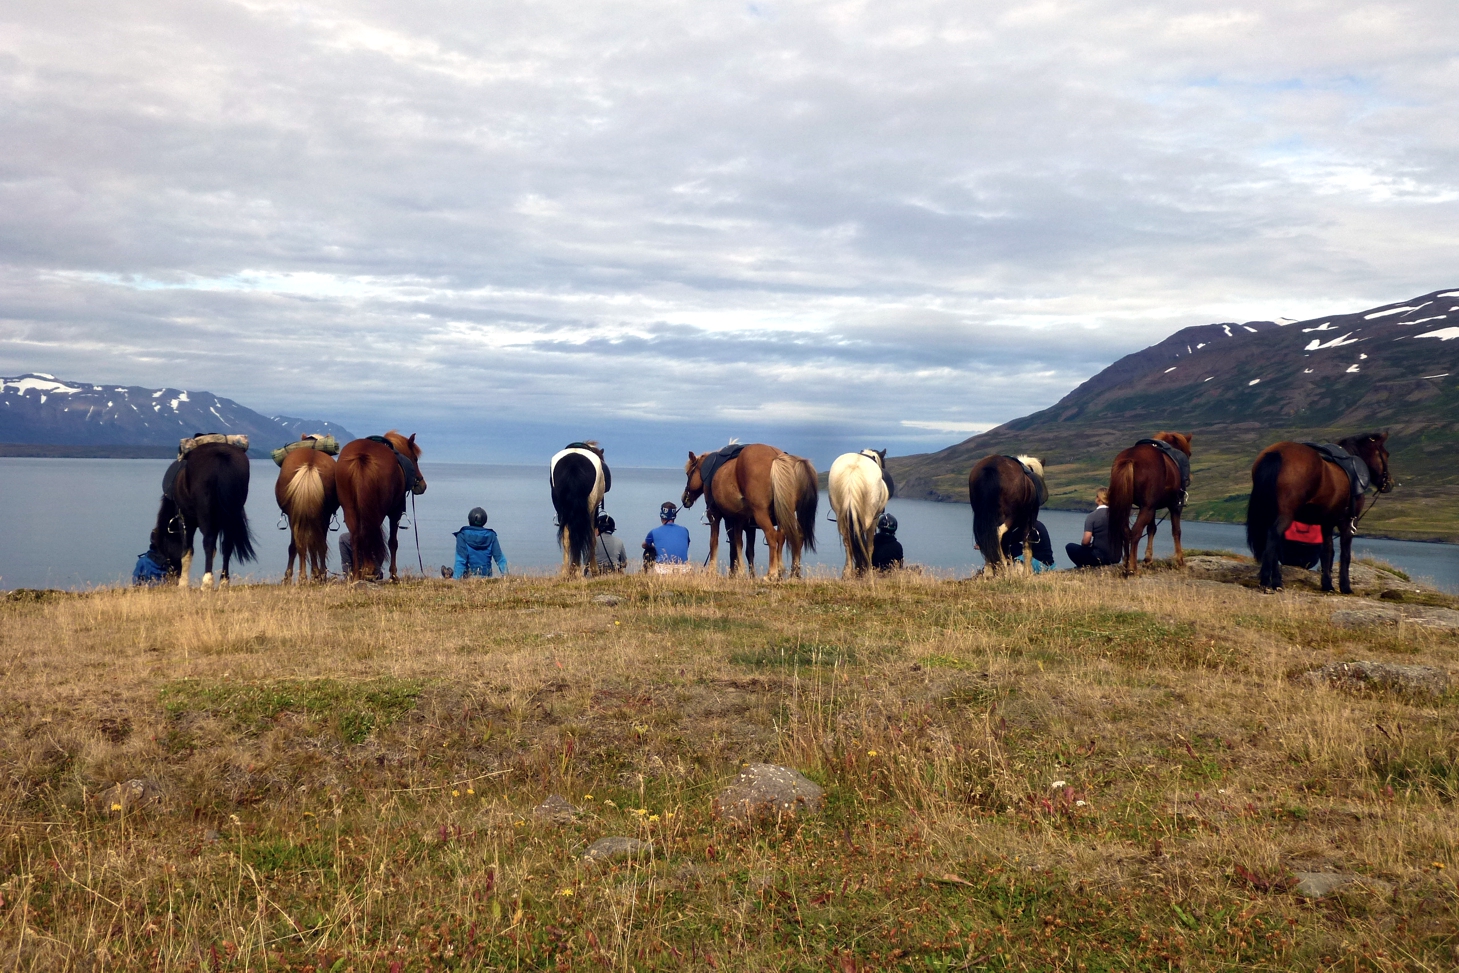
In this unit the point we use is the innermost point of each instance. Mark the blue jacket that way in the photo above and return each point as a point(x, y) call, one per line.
point(670, 542)
point(476, 548)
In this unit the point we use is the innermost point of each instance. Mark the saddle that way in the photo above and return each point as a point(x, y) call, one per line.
point(710, 465)
point(325, 444)
point(1359, 477)
point(1181, 460)
point(407, 466)
point(1041, 489)
point(185, 446)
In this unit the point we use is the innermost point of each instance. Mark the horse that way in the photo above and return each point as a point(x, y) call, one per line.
point(759, 486)
point(1147, 477)
point(206, 489)
point(1005, 493)
point(373, 477)
point(860, 487)
point(579, 478)
point(1293, 481)
point(306, 494)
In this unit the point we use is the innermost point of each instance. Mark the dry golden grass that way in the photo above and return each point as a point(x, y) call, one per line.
point(342, 778)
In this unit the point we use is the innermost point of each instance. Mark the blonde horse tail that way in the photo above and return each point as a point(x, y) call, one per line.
point(795, 494)
point(305, 496)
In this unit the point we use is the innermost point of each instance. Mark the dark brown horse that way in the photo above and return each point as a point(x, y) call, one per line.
point(1004, 497)
point(1292, 481)
point(374, 476)
point(206, 489)
point(306, 494)
point(1144, 476)
point(760, 487)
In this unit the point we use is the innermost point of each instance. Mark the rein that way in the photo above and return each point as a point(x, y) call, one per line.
point(415, 529)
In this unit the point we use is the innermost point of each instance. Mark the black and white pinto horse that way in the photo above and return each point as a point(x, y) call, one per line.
point(204, 490)
point(579, 479)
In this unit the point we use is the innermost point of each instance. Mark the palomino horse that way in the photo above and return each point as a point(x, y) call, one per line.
point(758, 486)
point(1006, 493)
point(1148, 477)
point(579, 477)
point(306, 494)
point(205, 490)
point(374, 476)
point(1293, 481)
point(860, 486)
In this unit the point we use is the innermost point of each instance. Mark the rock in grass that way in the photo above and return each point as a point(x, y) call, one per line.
point(617, 848)
point(609, 600)
point(1444, 619)
point(766, 791)
point(1392, 676)
point(1314, 885)
point(130, 795)
point(556, 809)
point(1361, 617)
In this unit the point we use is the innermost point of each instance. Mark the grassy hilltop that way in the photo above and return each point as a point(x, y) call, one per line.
point(1062, 772)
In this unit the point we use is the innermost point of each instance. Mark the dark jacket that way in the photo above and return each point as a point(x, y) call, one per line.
point(1043, 550)
point(476, 549)
point(886, 551)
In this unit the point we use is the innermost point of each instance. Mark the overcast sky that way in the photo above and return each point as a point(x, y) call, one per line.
point(823, 225)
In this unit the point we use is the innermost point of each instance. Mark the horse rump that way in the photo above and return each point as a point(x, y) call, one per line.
point(795, 493)
point(985, 494)
point(574, 479)
point(365, 506)
point(217, 488)
point(1121, 502)
point(305, 495)
point(1261, 507)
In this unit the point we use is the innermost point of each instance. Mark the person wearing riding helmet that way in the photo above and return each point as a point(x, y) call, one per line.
point(668, 542)
point(886, 550)
point(609, 552)
point(477, 548)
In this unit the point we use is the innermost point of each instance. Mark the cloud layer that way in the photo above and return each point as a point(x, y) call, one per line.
point(840, 222)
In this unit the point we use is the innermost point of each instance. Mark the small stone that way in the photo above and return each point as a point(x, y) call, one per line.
point(1314, 885)
point(1365, 675)
point(1360, 617)
point(609, 600)
point(617, 848)
point(769, 791)
point(211, 835)
point(557, 810)
point(129, 795)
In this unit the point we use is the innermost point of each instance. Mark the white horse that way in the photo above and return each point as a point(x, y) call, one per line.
point(860, 487)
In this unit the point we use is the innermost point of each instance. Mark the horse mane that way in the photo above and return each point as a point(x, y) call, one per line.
point(406, 447)
point(1180, 440)
point(1033, 463)
point(1352, 443)
point(873, 454)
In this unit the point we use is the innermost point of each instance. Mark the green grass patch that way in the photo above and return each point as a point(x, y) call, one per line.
point(793, 653)
point(1131, 637)
point(352, 710)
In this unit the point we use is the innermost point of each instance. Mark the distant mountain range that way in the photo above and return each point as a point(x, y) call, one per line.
point(41, 414)
point(1239, 387)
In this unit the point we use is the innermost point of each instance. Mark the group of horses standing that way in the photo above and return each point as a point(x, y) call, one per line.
point(750, 487)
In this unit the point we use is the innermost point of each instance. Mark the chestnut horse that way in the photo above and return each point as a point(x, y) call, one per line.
point(306, 494)
point(1006, 493)
point(763, 487)
point(205, 490)
point(1292, 481)
point(374, 476)
point(1145, 476)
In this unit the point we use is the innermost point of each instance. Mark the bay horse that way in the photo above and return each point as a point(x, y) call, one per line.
point(860, 487)
point(1005, 493)
point(305, 491)
point(759, 486)
point(206, 489)
point(374, 476)
point(579, 478)
point(1147, 477)
point(1292, 481)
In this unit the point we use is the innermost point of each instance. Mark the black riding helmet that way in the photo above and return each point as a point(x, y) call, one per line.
point(887, 523)
point(605, 524)
point(477, 517)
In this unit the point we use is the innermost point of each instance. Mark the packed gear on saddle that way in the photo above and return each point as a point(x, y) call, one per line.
point(413, 482)
point(1041, 489)
point(608, 551)
point(325, 444)
point(710, 464)
point(886, 550)
point(151, 569)
point(477, 548)
point(1358, 474)
point(1179, 458)
point(1043, 549)
point(192, 442)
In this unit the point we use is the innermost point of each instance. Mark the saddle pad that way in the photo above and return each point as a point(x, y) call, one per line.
point(191, 443)
point(1041, 489)
point(711, 464)
point(1357, 472)
point(1181, 460)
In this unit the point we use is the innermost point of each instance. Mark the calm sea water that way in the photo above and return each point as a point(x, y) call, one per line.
point(75, 523)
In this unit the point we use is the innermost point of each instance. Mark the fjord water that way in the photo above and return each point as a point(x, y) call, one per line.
point(77, 523)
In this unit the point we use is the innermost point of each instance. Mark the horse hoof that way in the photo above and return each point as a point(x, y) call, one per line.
point(208, 580)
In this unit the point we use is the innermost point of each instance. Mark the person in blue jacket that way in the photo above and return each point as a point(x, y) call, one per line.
point(477, 547)
point(668, 543)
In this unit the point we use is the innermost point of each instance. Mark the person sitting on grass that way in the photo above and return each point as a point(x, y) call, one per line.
point(1302, 545)
point(886, 550)
point(667, 544)
point(609, 552)
point(477, 548)
point(1043, 550)
point(1094, 551)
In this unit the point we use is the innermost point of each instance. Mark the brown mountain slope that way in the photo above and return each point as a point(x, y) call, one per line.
point(1239, 387)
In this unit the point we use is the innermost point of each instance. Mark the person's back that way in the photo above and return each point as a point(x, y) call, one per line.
point(670, 543)
point(608, 551)
point(1097, 525)
point(886, 550)
point(477, 548)
point(1042, 549)
point(1096, 550)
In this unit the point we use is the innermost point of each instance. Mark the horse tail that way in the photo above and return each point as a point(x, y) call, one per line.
point(305, 496)
point(370, 506)
point(795, 494)
point(850, 497)
point(575, 497)
point(232, 501)
point(985, 494)
point(1261, 508)
point(1121, 499)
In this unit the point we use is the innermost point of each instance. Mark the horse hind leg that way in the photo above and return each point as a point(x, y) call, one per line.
point(210, 550)
point(394, 546)
point(1150, 539)
point(187, 566)
point(1344, 583)
point(289, 568)
point(1175, 536)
